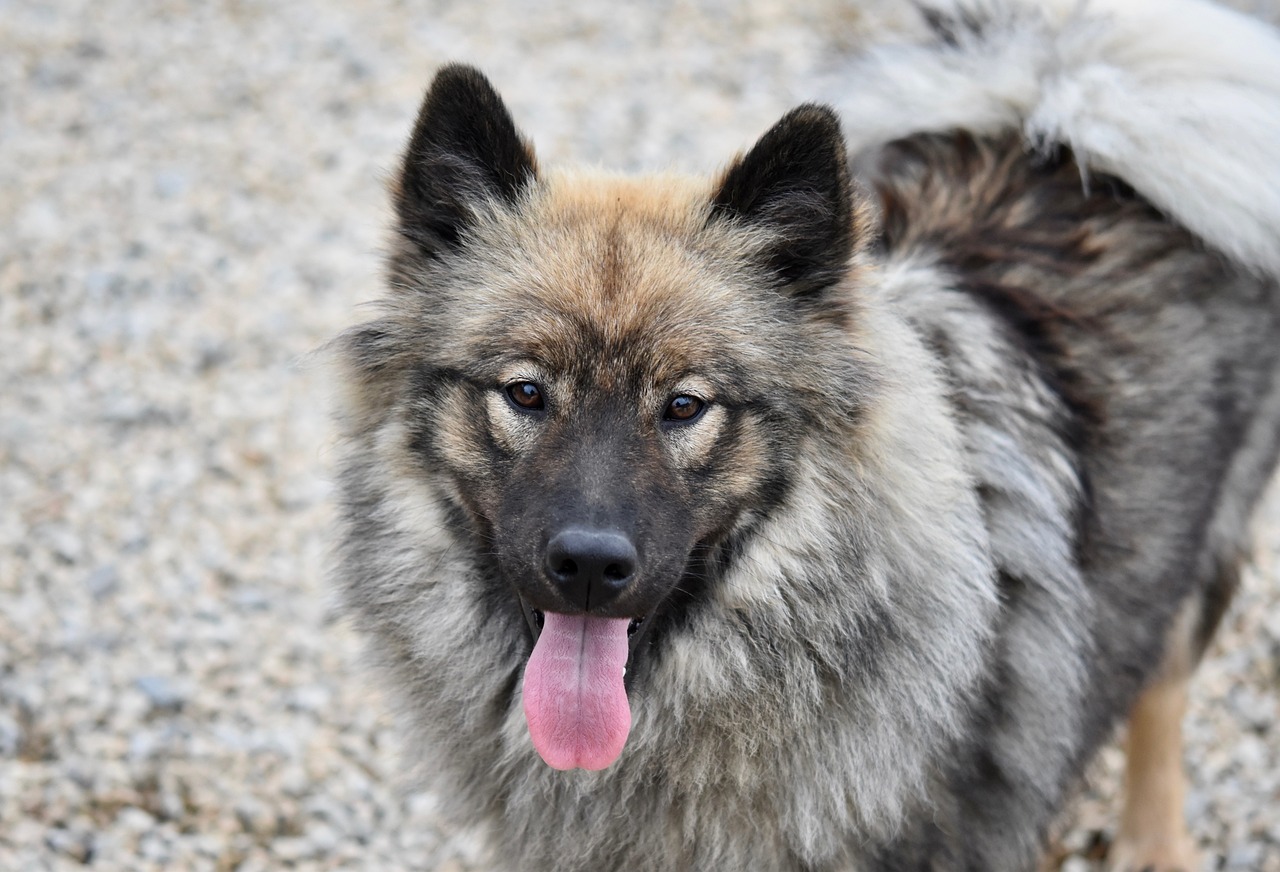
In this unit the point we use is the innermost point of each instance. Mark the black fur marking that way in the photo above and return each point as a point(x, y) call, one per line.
point(1010, 586)
point(1214, 601)
point(1036, 324)
point(951, 27)
point(795, 183)
point(465, 150)
point(428, 381)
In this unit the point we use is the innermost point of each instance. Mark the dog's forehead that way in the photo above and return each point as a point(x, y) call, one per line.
point(601, 273)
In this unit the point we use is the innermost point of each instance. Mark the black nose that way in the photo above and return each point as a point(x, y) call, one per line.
point(590, 567)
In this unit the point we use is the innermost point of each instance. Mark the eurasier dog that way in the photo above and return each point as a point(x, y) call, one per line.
point(833, 510)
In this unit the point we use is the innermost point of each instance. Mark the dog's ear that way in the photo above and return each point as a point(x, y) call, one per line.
point(794, 186)
point(465, 152)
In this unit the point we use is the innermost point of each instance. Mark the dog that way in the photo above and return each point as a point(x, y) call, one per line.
point(828, 513)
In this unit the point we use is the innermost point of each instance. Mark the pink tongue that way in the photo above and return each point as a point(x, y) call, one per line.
point(573, 695)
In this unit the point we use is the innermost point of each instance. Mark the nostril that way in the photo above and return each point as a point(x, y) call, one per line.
point(617, 572)
point(567, 569)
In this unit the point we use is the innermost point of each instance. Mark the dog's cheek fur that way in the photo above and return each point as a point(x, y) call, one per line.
point(448, 429)
point(739, 472)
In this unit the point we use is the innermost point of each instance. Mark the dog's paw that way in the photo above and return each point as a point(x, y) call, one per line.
point(1177, 854)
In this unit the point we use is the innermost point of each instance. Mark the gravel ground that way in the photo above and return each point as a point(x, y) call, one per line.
point(191, 197)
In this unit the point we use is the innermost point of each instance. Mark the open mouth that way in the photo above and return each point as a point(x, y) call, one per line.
point(537, 620)
point(575, 686)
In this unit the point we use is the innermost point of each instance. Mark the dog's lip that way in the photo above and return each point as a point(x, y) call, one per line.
point(635, 632)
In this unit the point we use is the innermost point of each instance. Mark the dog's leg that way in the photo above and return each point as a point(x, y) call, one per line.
point(1153, 833)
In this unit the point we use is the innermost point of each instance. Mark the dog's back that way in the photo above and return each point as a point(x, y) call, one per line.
point(1118, 383)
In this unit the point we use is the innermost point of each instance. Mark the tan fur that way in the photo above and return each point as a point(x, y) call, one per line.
point(603, 251)
point(627, 256)
point(1153, 833)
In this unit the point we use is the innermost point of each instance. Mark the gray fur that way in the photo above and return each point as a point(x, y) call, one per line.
point(1025, 429)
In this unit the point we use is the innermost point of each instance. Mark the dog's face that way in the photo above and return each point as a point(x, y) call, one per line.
point(605, 372)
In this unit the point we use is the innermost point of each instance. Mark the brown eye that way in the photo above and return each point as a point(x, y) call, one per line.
point(525, 396)
point(684, 409)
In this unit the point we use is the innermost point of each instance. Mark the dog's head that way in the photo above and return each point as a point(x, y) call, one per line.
point(610, 376)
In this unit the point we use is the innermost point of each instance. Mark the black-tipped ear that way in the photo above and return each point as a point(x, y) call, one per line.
point(794, 184)
point(465, 150)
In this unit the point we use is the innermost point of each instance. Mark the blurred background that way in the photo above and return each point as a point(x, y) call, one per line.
point(191, 203)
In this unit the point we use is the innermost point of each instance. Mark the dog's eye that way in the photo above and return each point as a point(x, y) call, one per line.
point(525, 396)
point(684, 409)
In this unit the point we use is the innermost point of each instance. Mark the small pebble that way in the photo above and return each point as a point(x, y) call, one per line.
point(161, 692)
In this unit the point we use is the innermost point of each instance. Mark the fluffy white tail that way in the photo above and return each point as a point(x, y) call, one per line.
point(1180, 98)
